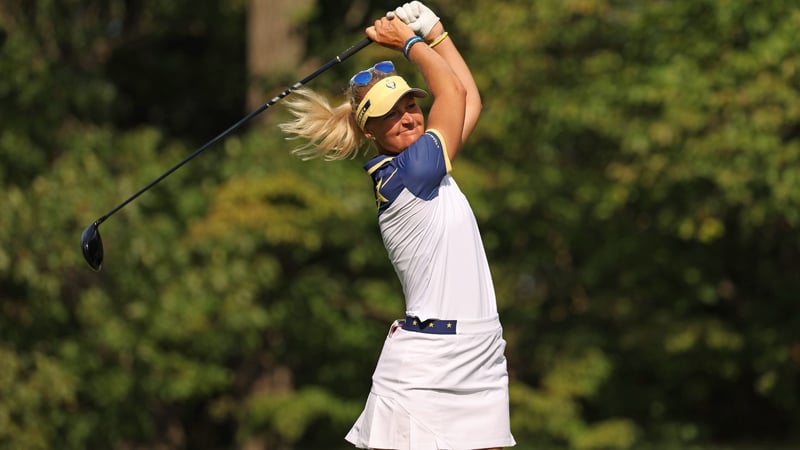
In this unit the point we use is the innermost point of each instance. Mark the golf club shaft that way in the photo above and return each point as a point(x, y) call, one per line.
point(339, 58)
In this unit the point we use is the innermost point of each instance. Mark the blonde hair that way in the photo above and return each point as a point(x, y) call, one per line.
point(332, 132)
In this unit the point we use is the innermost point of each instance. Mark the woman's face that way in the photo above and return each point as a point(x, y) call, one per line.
point(398, 129)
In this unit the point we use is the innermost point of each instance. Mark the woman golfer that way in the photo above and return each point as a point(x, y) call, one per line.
point(441, 380)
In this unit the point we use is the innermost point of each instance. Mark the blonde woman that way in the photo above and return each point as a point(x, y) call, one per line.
point(441, 380)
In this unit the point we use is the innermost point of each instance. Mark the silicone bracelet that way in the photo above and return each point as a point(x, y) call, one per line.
point(409, 43)
point(438, 40)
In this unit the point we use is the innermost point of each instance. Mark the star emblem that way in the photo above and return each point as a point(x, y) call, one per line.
point(380, 198)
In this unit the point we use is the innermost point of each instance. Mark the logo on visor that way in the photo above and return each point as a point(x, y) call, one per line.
point(391, 84)
point(363, 111)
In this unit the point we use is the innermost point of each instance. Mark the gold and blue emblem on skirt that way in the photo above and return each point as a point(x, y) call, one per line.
point(430, 326)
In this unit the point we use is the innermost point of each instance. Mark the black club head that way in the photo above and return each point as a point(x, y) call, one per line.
point(92, 246)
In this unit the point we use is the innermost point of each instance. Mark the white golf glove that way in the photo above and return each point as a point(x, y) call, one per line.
point(417, 16)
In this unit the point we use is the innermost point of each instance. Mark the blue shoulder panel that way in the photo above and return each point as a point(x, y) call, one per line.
point(420, 168)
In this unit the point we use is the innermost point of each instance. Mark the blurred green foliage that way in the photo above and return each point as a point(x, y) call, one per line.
point(635, 175)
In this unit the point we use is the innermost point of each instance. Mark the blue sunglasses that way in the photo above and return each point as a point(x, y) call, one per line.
point(365, 76)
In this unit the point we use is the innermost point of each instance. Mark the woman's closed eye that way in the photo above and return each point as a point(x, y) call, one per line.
point(402, 109)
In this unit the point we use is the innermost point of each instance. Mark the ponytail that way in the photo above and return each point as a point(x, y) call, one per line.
point(331, 132)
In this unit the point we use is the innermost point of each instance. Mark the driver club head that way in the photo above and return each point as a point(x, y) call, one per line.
point(92, 246)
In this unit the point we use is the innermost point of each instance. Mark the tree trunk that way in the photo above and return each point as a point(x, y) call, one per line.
point(275, 44)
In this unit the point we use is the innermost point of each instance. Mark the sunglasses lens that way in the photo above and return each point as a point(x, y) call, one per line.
point(384, 66)
point(361, 78)
point(365, 76)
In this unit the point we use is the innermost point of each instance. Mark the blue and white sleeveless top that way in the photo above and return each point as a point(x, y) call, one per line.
point(431, 234)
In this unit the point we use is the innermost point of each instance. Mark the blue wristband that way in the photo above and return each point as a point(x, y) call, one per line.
point(409, 43)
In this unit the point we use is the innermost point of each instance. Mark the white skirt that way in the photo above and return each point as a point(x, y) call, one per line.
point(432, 391)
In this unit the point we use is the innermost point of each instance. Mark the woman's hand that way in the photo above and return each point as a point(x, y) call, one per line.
point(419, 17)
point(390, 32)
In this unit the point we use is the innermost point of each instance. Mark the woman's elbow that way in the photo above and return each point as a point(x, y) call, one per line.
point(474, 103)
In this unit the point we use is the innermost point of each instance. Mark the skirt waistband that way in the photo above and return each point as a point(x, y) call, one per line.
point(450, 326)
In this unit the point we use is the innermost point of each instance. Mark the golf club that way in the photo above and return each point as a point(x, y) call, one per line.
point(92, 244)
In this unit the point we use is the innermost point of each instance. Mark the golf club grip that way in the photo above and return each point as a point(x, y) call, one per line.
point(354, 49)
point(339, 58)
